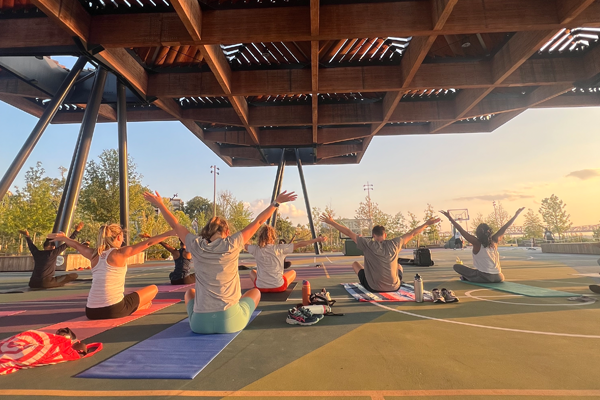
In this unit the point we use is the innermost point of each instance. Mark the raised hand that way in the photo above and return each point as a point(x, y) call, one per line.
point(322, 239)
point(445, 213)
point(79, 227)
point(153, 199)
point(285, 197)
point(326, 217)
point(55, 236)
point(24, 232)
point(519, 211)
point(144, 235)
point(432, 221)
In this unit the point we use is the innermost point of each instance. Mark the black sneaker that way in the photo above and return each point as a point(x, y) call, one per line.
point(437, 296)
point(301, 316)
point(449, 296)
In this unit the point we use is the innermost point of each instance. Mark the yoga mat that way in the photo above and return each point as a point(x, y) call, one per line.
point(85, 328)
point(525, 290)
point(23, 289)
point(175, 353)
point(280, 296)
point(405, 293)
point(174, 288)
point(9, 313)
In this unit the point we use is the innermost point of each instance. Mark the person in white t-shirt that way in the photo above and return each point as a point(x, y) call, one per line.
point(269, 276)
point(486, 260)
point(216, 305)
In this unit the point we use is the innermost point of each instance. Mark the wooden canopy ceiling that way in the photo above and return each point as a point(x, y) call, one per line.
point(249, 77)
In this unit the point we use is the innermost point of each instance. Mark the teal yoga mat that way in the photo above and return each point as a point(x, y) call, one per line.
point(525, 290)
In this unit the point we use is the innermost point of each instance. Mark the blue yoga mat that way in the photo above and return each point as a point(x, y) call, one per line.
point(175, 353)
point(525, 290)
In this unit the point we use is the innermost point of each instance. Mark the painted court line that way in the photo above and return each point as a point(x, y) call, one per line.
point(325, 270)
point(373, 394)
point(486, 326)
point(9, 313)
point(583, 303)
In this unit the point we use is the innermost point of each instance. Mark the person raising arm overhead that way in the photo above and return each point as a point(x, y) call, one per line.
point(486, 260)
point(270, 261)
point(381, 272)
point(216, 305)
point(182, 258)
point(44, 262)
point(109, 266)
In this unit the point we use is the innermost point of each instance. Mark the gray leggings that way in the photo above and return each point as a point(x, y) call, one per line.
point(474, 275)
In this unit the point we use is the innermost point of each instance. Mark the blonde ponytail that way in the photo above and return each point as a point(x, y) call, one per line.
point(106, 236)
point(216, 224)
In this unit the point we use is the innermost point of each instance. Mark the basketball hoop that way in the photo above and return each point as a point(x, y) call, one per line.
point(361, 227)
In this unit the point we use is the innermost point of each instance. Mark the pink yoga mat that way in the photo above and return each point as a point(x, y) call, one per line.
point(85, 328)
point(9, 313)
point(174, 288)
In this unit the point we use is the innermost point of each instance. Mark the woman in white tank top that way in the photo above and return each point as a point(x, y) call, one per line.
point(109, 267)
point(486, 260)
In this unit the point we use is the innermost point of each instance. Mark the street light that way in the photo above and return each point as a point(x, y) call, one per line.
point(215, 171)
point(368, 187)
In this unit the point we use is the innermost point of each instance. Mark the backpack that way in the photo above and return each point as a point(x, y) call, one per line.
point(423, 257)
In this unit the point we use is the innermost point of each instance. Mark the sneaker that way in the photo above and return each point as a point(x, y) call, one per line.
point(301, 316)
point(595, 288)
point(307, 313)
point(437, 296)
point(449, 296)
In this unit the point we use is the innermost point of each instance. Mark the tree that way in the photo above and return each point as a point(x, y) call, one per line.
point(412, 224)
point(532, 227)
point(368, 209)
point(596, 233)
point(200, 209)
point(433, 231)
point(555, 216)
point(237, 214)
point(398, 226)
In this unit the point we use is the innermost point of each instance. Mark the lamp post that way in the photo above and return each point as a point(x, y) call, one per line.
point(215, 171)
point(368, 187)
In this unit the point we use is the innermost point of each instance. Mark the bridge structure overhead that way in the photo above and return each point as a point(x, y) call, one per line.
point(250, 78)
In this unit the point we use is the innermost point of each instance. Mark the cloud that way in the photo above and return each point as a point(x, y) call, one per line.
point(286, 209)
point(585, 174)
point(508, 195)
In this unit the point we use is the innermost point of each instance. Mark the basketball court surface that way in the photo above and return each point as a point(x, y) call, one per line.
point(490, 345)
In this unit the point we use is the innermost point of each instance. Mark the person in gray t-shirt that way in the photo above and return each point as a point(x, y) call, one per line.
point(382, 272)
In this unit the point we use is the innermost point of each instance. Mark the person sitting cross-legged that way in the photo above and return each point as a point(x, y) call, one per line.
point(381, 272)
point(182, 258)
point(44, 262)
point(486, 259)
point(269, 275)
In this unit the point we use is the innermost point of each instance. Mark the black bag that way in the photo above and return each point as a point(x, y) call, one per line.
point(423, 257)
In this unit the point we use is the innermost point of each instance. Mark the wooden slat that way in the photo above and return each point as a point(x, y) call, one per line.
point(190, 14)
point(32, 32)
point(568, 10)
point(22, 104)
point(242, 152)
point(336, 150)
point(579, 100)
point(68, 14)
point(229, 137)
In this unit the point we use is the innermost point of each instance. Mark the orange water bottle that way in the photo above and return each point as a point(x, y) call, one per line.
point(305, 293)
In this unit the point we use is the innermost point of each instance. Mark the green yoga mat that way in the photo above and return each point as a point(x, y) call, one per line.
point(525, 290)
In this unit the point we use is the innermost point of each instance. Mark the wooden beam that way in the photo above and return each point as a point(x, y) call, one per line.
point(242, 152)
point(280, 116)
point(23, 104)
point(333, 135)
point(223, 116)
point(338, 160)
point(242, 162)
point(229, 137)
point(68, 14)
point(568, 10)
point(336, 150)
point(169, 106)
point(500, 120)
point(32, 32)
point(397, 130)
point(285, 137)
point(191, 15)
point(107, 112)
point(545, 93)
point(576, 100)
point(17, 87)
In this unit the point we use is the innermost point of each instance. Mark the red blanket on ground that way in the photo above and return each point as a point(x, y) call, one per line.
point(35, 349)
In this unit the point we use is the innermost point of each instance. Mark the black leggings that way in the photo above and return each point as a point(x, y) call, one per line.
point(56, 281)
point(184, 281)
point(125, 307)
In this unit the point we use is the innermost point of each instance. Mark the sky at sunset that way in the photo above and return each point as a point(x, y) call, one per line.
point(539, 153)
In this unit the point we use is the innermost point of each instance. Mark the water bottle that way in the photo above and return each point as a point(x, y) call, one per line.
point(418, 288)
point(305, 293)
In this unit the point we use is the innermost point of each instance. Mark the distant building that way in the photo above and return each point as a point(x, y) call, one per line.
point(177, 204)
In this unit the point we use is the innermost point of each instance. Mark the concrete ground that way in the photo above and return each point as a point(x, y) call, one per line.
point(490, 345)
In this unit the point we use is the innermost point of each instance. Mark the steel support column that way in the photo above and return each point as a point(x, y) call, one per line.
point(123, 164)
point(307, 202)
point(277, 187)
point(40, 127)
point(72, 187)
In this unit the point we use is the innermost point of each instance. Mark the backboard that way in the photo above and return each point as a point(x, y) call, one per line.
point(359, 226)
point(461, 214)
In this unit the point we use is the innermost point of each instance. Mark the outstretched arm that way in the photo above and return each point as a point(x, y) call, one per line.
point(156, 201)
point(498, 235)
point(470, 238)
point(251, 229)
point(75, 233)
point(128, 251)
point(305, 243)
point(32, 247)
point(328, 219)
point(169, 248)
point(85, 251)
point(408, 236)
